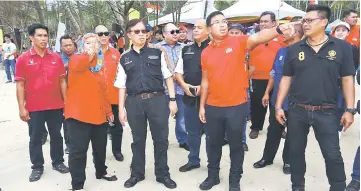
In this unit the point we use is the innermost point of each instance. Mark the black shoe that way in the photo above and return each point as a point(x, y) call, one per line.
point(61, 168)
point(36, 175)
point(66, 151)
point(119, 156)
point(225, 142)
point(107, 178)
point(208, 183)
point(287, 168)
point(261, 164)
point(168, 182)
point(253, 134)
point(184, 146)
point(234, 187)
point(353, 186)
point(132, 181)
point(188, 167)
point(245, 147)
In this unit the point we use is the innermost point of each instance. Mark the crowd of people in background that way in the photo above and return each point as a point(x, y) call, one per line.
point(216, 83)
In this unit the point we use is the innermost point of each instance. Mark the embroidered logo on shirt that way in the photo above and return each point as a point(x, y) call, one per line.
point(152, 57)
point(228, 50)
point(301, 56)
point(189, 51)
point(127, 61)
point(281, 57)
point(331, 55)
point(354, 39)
point(31, 62)
point(53, 62)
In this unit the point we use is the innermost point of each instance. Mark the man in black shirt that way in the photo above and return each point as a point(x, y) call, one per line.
point(189, 76)
point(311, 71)
point(140, 74)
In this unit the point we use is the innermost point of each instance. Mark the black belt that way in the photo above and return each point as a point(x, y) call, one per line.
point(315, 107)
point(149, 95)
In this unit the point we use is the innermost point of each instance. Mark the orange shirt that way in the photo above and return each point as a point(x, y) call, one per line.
point(224, 64)
point(86, 98)
point(111, 59)
point(354, 36)
point(262, 58)
point(121, 42)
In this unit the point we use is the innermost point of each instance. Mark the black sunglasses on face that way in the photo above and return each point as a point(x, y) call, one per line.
point(138, 31)
point(103, 33)
point(174, 31)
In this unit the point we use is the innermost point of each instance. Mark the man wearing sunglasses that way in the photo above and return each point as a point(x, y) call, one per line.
point(111, 59)
point(224, 102)
point(141, 72)
point(174, 49)
point(311, 72)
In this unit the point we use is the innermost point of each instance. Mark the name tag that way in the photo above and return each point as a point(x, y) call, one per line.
point(189, 53)
point(153, 57)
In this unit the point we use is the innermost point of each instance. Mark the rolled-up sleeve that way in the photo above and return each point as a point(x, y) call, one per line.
point(164, 66)
point(179, 67)
point(121, 77)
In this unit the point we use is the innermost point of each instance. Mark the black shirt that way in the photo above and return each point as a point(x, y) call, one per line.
point(143, 70)
point(315, 75)
point(192, 71)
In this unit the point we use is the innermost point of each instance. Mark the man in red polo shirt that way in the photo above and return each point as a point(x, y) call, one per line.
point(111, 59)
point(41, 88)
point(223, 104)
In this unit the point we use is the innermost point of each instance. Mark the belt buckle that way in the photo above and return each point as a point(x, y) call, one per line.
point(144, 96)
point(309, 107)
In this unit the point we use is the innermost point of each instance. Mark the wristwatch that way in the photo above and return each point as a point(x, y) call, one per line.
point(353, 111)
point(172, 99)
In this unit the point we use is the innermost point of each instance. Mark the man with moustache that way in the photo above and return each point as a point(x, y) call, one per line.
point(223, 104)
point(311, 72)
point(275, 129)
point(350, 17)
point(141, 72)
point(111, 58)
point(189, 74)
point(41, 92)
point(262, 59)
point(174, 48)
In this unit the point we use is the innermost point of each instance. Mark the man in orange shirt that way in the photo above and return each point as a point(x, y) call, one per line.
point(87, 111)
point(223, 104)
point(350, 17)
point(262, 58)
point(111, 59)
point(121, 42)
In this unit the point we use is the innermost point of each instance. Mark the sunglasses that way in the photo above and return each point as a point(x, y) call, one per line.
point(174, 31)
point(103, 33)
point(138, 31)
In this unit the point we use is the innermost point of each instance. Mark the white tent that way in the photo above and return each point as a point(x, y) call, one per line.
point(190, 12)
point(256, 7)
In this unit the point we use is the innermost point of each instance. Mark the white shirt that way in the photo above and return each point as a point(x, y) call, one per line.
point(8, 49)
point(179, 68)
point(121, 77)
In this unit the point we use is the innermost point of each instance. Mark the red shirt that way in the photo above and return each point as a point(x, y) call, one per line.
point(224, 64)
point(354, 36)
point(42, 80)
point(111, 59)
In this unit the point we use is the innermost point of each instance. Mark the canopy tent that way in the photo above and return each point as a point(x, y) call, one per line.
point(190, 12)
point(243, 8)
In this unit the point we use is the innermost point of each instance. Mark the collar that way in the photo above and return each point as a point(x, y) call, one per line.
point(331, 39)
point(33, 52)
point(212, 42)
point(65, 56)
point(165, 43)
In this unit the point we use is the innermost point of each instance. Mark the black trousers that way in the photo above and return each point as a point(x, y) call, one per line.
point(258, 112)
point(155, 111)
point(53, 119)
point(274, 135)
point(80, 135)
point(116, 131)
point(325, 124)
point(219, 121)
point(65, 130)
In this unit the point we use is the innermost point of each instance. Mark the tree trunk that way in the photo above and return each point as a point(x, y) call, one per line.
point(81, 17)
point(72, 18)
point(39, 12)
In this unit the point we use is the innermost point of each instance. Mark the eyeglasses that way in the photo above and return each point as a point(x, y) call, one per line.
point(138, 31)
point(174, 31)
point(103, 33)
point(309, 21)
point(219, 22)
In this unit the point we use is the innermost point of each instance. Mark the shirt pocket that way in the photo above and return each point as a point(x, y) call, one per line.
point(154, 67)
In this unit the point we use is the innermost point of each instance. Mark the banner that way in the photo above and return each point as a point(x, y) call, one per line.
point(60, 33)
point(1, 37)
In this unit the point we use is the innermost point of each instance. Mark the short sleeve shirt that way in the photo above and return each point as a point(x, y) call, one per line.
point(42, 80)
point(8, 49)
point(315, 75)
point(224, 64)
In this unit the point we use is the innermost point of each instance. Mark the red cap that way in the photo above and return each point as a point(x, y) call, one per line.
point(182, 28)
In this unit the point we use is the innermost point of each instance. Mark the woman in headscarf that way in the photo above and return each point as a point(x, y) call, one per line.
point(87, 112)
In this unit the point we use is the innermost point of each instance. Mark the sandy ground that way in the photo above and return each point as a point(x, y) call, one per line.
point(15, 163)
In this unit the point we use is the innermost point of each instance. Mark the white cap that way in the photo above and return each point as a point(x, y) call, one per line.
point(343, 24)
